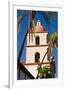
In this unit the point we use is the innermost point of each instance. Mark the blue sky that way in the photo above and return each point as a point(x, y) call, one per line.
point(51, 28)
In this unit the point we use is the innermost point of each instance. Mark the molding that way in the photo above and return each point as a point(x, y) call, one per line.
point(37, 45)
point(36, 63)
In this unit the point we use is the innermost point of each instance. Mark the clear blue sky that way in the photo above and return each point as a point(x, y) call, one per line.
point(53, 27)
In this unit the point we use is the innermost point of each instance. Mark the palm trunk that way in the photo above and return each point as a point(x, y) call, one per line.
point(41, 63)
point(22, 46)
point(20, 53)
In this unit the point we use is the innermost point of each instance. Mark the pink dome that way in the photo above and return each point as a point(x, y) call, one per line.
point(39, 27)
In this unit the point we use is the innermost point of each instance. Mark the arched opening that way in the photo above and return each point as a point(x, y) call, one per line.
point(37, 40)
point(37, 56)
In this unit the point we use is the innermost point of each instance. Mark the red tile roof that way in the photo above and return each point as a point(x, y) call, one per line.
point(39, 27)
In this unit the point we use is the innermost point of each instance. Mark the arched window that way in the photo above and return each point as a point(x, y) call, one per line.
point(37, 56)
point(37, 40)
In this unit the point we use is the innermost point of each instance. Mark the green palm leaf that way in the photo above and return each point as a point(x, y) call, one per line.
point(20, 20)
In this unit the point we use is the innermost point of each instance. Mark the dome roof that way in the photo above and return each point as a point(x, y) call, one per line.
point(39, 27)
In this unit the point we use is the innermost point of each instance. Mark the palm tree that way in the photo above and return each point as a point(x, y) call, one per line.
point(53, 42)
point(55, 39)
point(19, 20)
point(44, 72)
point(31, 26)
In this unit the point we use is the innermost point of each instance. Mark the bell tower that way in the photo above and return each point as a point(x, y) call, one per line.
point(36, 48)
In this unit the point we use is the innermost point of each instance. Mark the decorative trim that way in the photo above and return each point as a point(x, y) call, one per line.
point(36, 63)
point(37, 45)
point(39, 32)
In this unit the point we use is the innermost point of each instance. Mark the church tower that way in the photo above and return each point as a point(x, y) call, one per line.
point(36, 48)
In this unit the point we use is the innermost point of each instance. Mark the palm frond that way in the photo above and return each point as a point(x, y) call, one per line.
point(46, 19)
point(51, 14)
point(33, 15)
point(20, 20)
point(55, 39)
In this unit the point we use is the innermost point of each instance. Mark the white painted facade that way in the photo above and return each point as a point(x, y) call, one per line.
point(43, 38)
point(32, 48)
point(30, 53)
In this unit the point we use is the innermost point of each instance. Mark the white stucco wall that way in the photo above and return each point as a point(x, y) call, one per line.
point(31, 50)
point(30, 53)
point(43, 38)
